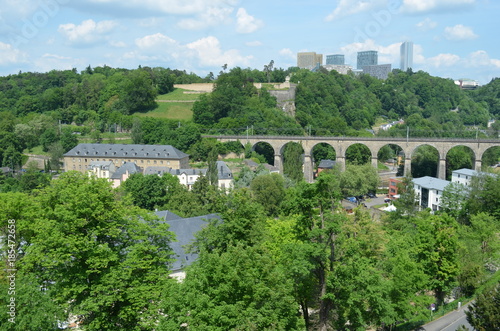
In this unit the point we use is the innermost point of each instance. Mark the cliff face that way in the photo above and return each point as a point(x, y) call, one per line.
point(285, 99)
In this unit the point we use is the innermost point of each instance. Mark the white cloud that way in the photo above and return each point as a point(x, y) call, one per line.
point(182, 7)
point(443, 60)
point(87, 32)
point(246, 23)
point(209, 53)
point(50, 61)
point(154, 41)
point(481, 58)
point(255, 43)
point(287, 52)
point(10, 55)
point(423, 6)
point(211, 17)
point(351, 7)
point(459, 32)
point(426, 25)
point(118, 44)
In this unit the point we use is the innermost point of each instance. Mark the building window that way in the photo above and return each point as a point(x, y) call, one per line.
point(155, 162)
point(142, 161)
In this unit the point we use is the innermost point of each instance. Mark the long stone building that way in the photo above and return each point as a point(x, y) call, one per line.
point(80, 157)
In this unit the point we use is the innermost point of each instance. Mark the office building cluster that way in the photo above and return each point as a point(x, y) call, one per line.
point(367, 62)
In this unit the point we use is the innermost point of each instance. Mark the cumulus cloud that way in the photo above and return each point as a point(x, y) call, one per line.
point(246, 23)
point(154, 41)
point(351, 7)
point(87, 32)
point(459, 32)
point(443, 60)
point(209, 53)
point(426, 25)
point(481, 58)
point(287, 52)
point(10, 55)
point(255, 43)
point(50, 61)
point(423, 6)
point(211, 17)
point(176, 7)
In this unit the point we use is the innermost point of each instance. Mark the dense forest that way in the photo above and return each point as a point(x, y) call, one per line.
point(285, 254)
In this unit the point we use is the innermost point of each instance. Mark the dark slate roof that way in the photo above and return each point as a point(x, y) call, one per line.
point(178, 172)
point(223, 171)
point(156, 170)
point(185, 230)
point(127, 151)
point(326, 164)
point(167, 215)
point(131, 167)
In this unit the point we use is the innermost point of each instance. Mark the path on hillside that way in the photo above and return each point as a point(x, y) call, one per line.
point(449, 322)
point(186, 101)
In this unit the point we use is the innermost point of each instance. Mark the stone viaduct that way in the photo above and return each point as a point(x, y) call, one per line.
point(341, 144)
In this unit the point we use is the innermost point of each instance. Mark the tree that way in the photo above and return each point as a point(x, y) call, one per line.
point(212, 172)
point(269, 191)
point(358, 180)
point(268, 68)
point(484, 313)
point(68, 140)
point(98, 257)
point(437, 246)
point(292, 164)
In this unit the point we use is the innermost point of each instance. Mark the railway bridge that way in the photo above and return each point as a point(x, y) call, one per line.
point(374, 144)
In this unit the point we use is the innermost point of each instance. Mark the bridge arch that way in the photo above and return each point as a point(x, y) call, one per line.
point(340, 145)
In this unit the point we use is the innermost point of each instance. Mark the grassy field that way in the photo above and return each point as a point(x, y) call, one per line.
point(171, 110)
point(178, 94)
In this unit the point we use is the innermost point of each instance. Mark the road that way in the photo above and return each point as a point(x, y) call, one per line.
point(449, 322)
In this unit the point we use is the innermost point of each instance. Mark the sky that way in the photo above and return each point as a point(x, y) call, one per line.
point(452, 38)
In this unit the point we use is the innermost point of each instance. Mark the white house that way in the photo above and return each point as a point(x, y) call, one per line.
point(102, 169)
point(429, 191)
point(463, 176)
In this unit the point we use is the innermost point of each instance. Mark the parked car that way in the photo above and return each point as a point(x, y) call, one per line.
point(387, 200)
point(371, 195)
point(352, 199)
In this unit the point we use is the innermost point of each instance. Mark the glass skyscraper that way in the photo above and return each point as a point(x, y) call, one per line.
point(406, 52)
point(367, 58)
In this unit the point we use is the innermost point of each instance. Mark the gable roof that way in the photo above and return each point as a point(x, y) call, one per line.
point(223, 171)
point(129, 167)
point(185, 230)
point(156, 170)
point(127, 151)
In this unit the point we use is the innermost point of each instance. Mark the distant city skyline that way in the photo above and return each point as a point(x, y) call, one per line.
point(451, 39)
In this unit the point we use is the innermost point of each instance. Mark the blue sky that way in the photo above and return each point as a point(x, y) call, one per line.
point(452, 38)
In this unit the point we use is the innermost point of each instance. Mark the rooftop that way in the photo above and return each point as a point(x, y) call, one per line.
point(127, 151)
point(431, 183)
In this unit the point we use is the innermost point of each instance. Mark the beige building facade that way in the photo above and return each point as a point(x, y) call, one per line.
point(83, 155)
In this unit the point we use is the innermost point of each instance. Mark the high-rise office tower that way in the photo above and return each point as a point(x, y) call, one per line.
point(335, 59)
point(367, 58)
point(406, 52)
point(309, 60)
